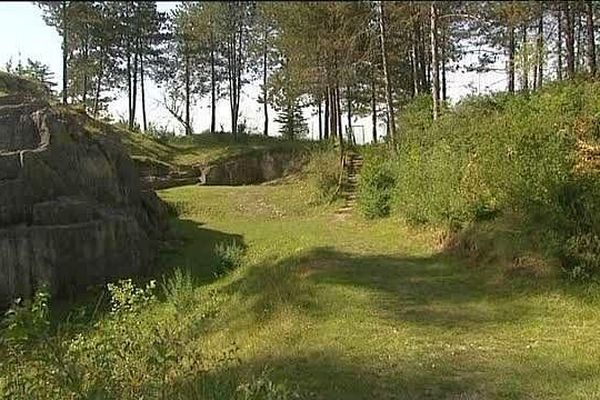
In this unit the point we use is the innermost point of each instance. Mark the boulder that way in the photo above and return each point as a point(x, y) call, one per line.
point(73, 212)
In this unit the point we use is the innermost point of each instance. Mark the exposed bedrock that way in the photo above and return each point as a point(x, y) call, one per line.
point(72, 209)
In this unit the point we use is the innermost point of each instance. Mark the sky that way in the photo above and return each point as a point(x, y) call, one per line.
point(25, 35)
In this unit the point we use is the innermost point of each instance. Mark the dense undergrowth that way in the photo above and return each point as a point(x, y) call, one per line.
point(509, 171)
point(144, 342)
point(322, 173)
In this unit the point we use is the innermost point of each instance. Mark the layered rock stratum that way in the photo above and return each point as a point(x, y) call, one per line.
point(73, 212)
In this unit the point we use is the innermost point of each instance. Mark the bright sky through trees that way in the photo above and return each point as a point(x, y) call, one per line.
point(25, 35)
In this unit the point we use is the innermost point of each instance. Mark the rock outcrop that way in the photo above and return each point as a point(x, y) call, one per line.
point(72, 209)
point(247, 169)
point(252, 168)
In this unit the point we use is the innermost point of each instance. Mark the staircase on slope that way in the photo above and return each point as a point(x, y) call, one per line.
point(349, 185)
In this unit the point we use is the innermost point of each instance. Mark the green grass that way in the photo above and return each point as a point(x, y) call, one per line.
point(344, 308)
point(347, 309)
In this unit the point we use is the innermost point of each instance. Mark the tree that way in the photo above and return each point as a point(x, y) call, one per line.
point(435, 85)
point(264, 50)
point(181, 75)
point(591, 42)
point(569, 38)
point(386, 73)
point(234, 25)
point(33, 70)
point(58, 15)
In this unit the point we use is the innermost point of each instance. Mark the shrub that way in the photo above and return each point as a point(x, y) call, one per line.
point(323, 173)
point(179, 288)
point(263, 388)
point(376, 183)
point(500, 155)
point(229, 257)
point(27, 320)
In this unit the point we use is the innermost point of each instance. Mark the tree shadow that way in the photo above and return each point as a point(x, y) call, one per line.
point(330, 374)
point(193, 249)
point(190, 248)
point(429, 291)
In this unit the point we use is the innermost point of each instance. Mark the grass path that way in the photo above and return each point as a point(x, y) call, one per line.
point(350, 309)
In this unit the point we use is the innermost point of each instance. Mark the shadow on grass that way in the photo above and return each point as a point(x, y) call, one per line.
point(329, 374)
point(195, 249)
point(192, 249)
point(429, 291)
point(435, 299)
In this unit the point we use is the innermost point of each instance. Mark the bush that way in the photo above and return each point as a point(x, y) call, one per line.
point(263, 388)
point(179, 289)
point(376, 184)
point(499, 155)
point(323, 173)
point(229, 257)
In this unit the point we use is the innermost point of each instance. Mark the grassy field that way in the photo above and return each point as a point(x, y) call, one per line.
point(340, 308)
point(323, 307)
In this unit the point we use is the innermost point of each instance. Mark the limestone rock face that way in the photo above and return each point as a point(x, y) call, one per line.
point(251, 168)
point(72, 209)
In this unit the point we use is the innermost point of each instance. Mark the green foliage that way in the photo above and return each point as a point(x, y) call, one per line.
point(27, 320)
point(179, 288)
point(12, 84)
point(496, 155)
point(376, 183)
point(35, 71)
point(126, 297)
point(323, 174)
point(229, 256)
point(263, 388)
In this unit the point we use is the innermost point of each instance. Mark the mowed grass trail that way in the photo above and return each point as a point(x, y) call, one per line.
point(343, 308)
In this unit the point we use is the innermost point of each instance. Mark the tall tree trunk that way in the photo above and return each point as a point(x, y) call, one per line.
point(327, 116)
point(373, 106)
point(339, 121)
point(540, 48)
point(444, 83)
point(266, 103)
point(386, 74)
point(435, 68)
point(134, 89)
point(511, 59)
point(65, 52)
point(414, 70)
point(570, 40)
point(84, 89)
point(129, 87)
point(591, 40)
point(559, 61)
point(578, 36)
point(99, 83)
point(332, 114)
point(338, 110)
point(320, 112)
point(422, 57)
point(213, 89)
point(143, 90)
point(349, 106)
point(414, 53)
point(525, 67)
point(188, 128)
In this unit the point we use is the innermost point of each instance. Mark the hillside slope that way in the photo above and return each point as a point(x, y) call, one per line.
point(213, 158)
